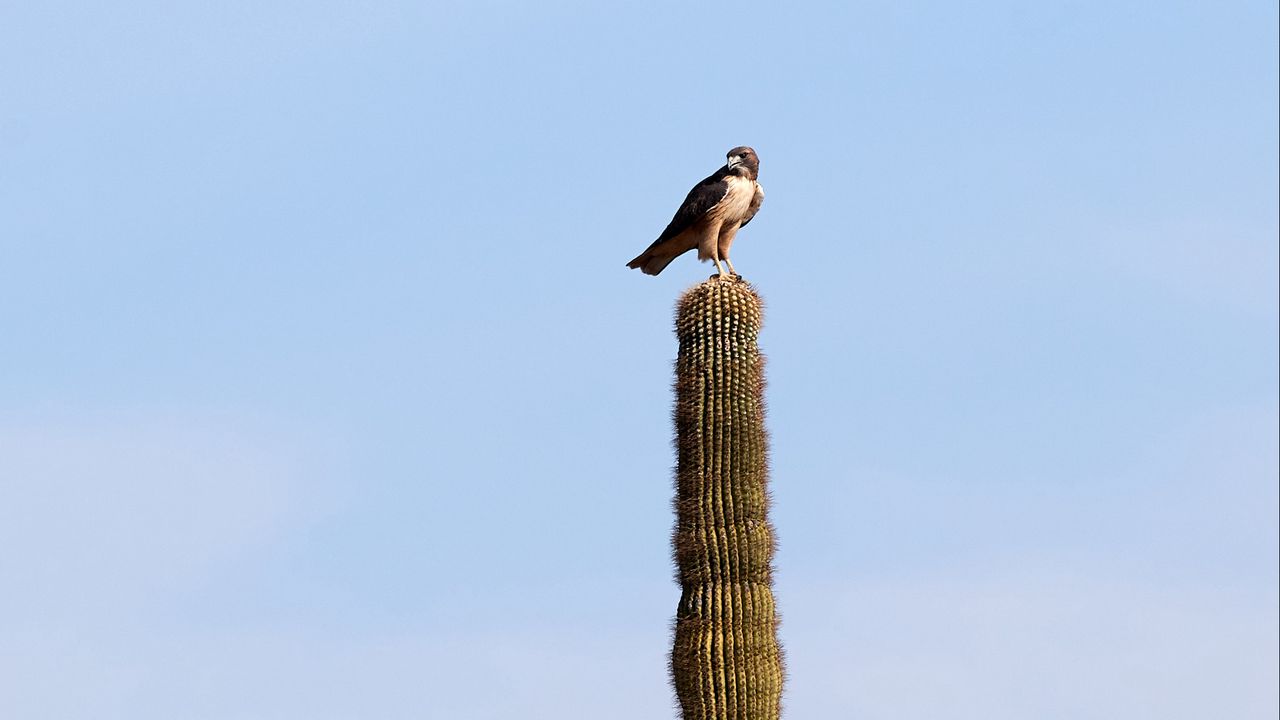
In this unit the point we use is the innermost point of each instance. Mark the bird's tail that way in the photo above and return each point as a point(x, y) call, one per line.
point(651, 263)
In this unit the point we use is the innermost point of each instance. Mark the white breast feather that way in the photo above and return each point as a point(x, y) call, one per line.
point(733, 207)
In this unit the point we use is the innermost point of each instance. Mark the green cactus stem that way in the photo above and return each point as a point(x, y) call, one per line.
point(725, 661)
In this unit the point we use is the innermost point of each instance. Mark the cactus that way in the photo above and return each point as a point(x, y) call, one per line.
point(725, 660)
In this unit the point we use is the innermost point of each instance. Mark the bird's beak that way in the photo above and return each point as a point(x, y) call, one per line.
point(735, 161)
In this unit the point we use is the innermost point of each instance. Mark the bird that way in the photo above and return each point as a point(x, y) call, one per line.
point(714, 211)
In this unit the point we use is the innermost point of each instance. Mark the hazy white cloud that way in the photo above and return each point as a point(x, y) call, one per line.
point(102, 525)
point(300, 671)
point(93, 515)
point(1217, 258)
point(105, 531)
point(1147, 592)
point(1012, 644)
point(108, 530)
point(1028, 644)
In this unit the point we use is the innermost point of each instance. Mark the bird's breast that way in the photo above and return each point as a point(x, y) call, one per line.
point(733, 208)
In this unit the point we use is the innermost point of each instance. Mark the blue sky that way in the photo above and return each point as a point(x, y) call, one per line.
point(324, 392)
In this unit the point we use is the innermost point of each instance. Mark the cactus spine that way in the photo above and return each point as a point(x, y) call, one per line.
point(725, 662)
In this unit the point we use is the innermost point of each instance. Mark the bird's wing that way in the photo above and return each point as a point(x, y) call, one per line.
point(704, 196)
point(756, 201)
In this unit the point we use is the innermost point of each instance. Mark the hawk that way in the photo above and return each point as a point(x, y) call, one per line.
point(710, 216)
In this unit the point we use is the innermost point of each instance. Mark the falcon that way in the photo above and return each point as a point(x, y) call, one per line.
point(710, 216)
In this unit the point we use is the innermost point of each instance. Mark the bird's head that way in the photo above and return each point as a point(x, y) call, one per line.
point(743, 161)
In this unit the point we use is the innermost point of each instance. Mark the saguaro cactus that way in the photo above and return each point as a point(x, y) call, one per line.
point(725, 663)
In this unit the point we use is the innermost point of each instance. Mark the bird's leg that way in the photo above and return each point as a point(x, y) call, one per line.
point(719, 267)
point(728, 262)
